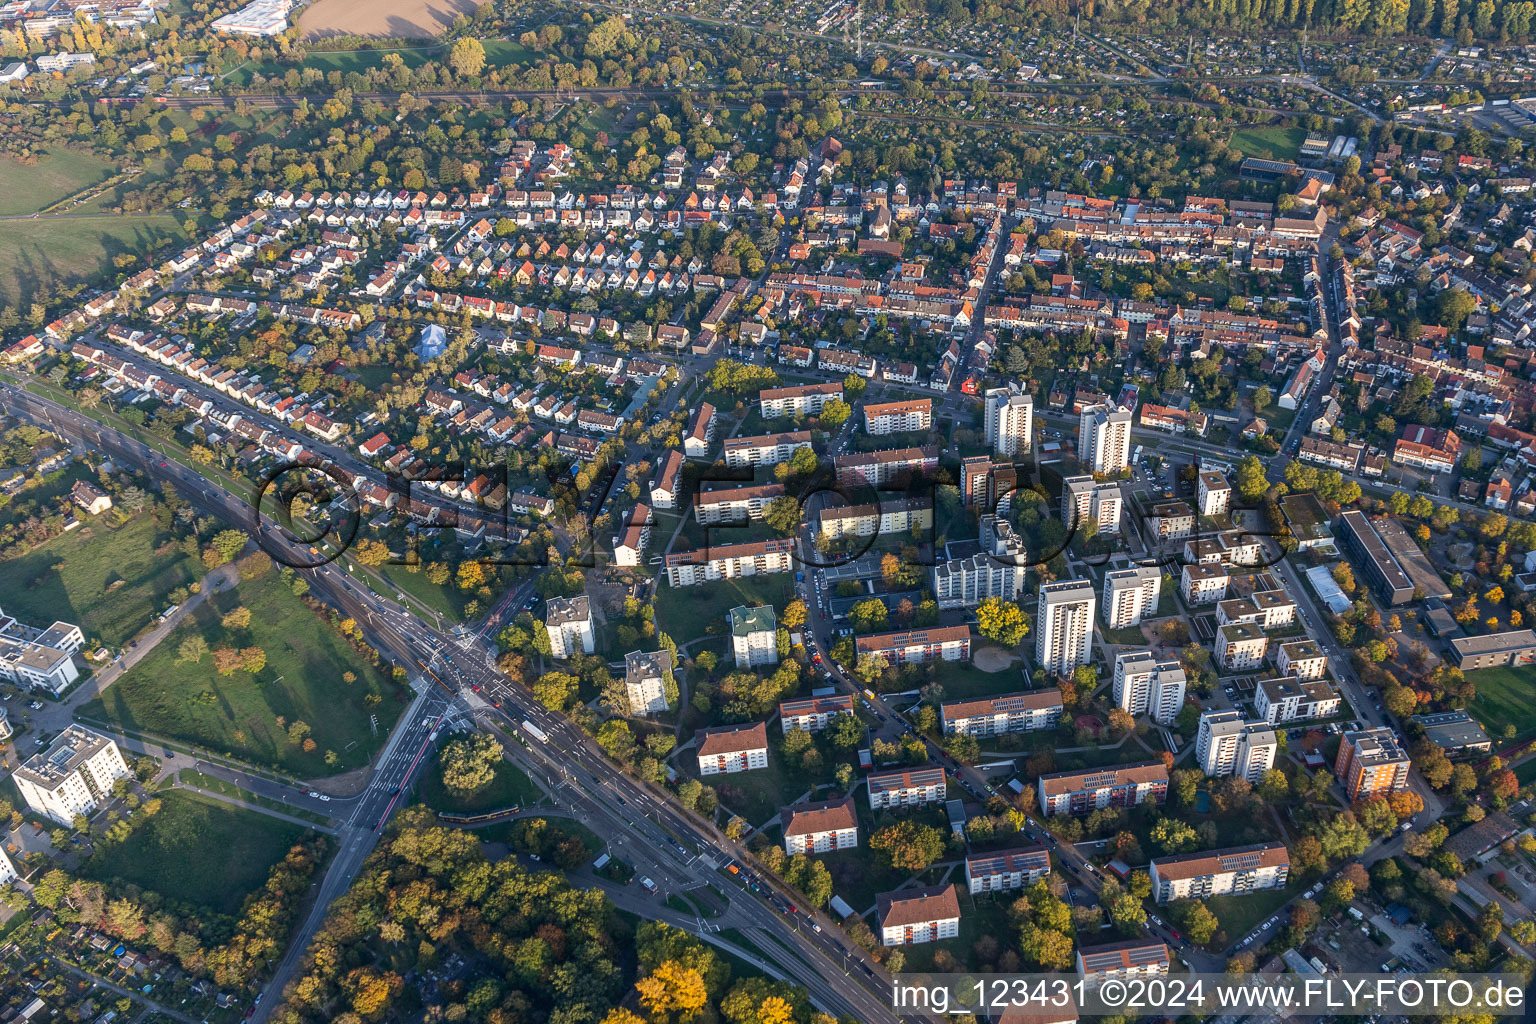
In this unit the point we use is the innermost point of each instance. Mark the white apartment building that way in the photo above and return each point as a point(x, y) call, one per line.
point(1267, 609)
point(1203, 584)
point(914, 916)
point(765, 449)
point(701, 432)
point(1213, 493)
point(1084, 500)
point(8, 872)
point(1172, 520)
point(997, 570)
point(40, 659)
point(734, 504)
point(74, 775)
point(897, 417)
point(1133, 958)
point(1026, 711)
point(1229, 745)
point(1288, 699)
point(727, 561)
point(1064, 626)
point(629, 546)
point(1104, 439)
point(820, 827)
point(1130, 595)
point(569, 623)
point(1240, 646)
point(799, 400)
point(911, 787)
point(732, 748)
point(1303, 659)
point(1232, 871)
point(645, 681)
point(754, 636)
point(885, 518)
point(1007, 870)
point(813, 714)
point(1145, 685)
point(1009, 421)
point(667, 487)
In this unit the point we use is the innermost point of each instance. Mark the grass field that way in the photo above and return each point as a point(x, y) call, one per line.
point(72, 249)
point(198, 850)
point(684, 612)
point(109, 582)
point(63, 172)
point(1268, 143)
point(1240, 914)
point(510, 787)
point(1505, 695)
point(238, 714)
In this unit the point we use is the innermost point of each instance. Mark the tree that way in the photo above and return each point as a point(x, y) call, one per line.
point(1174, 836)
point(467, 58)
point(908, 846)
point(835, 413)
point(236, 618)
point(793, 616)
point(469, 765)
point(672, 990)
point(1002, 622)
point(191, 650)
point(1262, 397)
point(869, 616)
point(1252, 481)
point(783, 514)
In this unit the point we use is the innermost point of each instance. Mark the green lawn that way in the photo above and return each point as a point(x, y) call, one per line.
point(1240, 914)
point(59, 174)
point(1268, 143)
point(109, 582)
point(67, 250)
point(685, 612)
point(510, 787)
point(198, 850)
point(237, 714)
point(961, 679)
point(1505, 695)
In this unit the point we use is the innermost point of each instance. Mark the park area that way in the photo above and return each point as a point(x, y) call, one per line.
point(685, 613)
point(259, 717)
point(1506, 695)
point(1268, 143)
point(198, 850)
point(109, 582)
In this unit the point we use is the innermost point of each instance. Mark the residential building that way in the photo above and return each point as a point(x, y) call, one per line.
point(908, 787)
point(1303, 659)
point(1267, 609)
point(728, 749)
point(1371, 762)
point(701, 432)
point(879, 468)
point(1289, 699)
point(629, 546)
point(1511, 647)
point(40, 659)
point(814, 714)
point(765, 449)
point(735, 504)
point(727, 561)
point(918, 646)
point(1130, 595)
point(1382, 572)
point(1026, 711)
point(1007, 870)
point(888, 517)
point(898, 417)
point(799, 400)
point(89, 497)
point(72, 776)
point(1133, 958)
point(648, 681)
point(569, 623)
point(1202, 584)
point(1104, 439)
point(1078, 792)
point(667, 488)
point(1240, 646)
point(1427, 448)
point(754, 636)
point(913, 916)
point(1455, 732)
point(1064, 626)
point(1084, 500)
point(1145, 685)
point(1232, 871)
point(1213, 493)
point(1009, 421)
point(1172, 520)
point(820, 827)
point(997, 570)
point(1229, 745)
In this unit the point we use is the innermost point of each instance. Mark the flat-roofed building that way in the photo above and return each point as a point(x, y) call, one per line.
point(820, 827)
point(646, 675)
point(1203, 584)
point(1104, 439)
point(1027, 711)
point(1078, 792)
point(1130, 595)
point(568, 621)
point(913, 916)
point(1133, 958)
point(1289, 699)
point(1303, 659)
point(909, 787)
point(813, 714)
point(1009, 421)
point(1455, 732)
point(728, 749)
point(1146, 685)
point(1381, 570)
point(1240, 646)
point(1213, 493)
point(1371, 762)
point(1007, 870)
point(997, 570)
point(1064, 626)
point(1511, 647)
point(1172, 520)
point(918, 646)
point(1267, 609)
point(1085, 500)
point(72, 776)
point(754, 636)
point(1232, 871)
point(1227, 744)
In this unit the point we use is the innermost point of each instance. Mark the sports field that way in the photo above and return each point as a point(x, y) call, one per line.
point(1268, 143)
point(1504, 696)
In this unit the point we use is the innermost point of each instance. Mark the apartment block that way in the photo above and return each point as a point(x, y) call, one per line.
point(814, 714)
point(72, 776)
point(801, 400)
point(1371, 762)
point(1118, 961)
point(820, 827)
point(645, 681)
point(914, 916)
point(1267, 609)
point(40, 659)
point(1009, 421)
point(735, 504)
point(1146, 685)
point(1064, 626)
point(728, 561)
point(1203, 584)
point(911, 787)
point(1213, 493)
point(1026, 711)
point(701, 432)
point(1172, 520)
point(1232, 871)
point(1104, 439)
point(1229, 745)
point(568, 621)
point(629, 546)
point(997, 570)
point(666, 488)
point(1240, 646)
point(754, 636)
point(918, 646)
point(886, 518)
point(879, 468)
point(765, 449)
point(1084, 500)
point(1303, 659)
point(1130, 595)
point(1078, 792)
point(897, 417)
point(1007, 870)
point(728, 749)
point(1289, 699)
